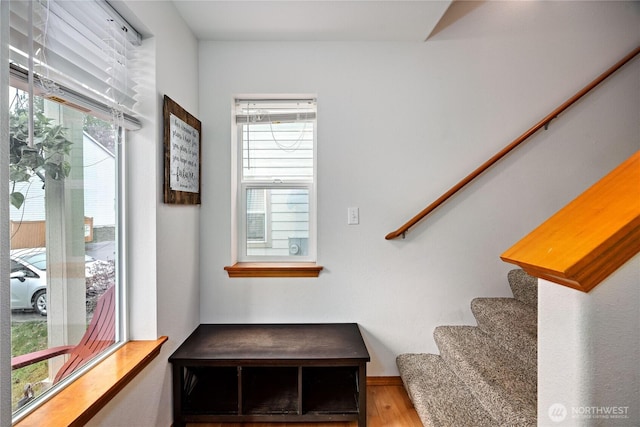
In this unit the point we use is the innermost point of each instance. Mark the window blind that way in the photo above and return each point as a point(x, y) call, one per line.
point(77, 51)
point(277, 139)
point(275, 111)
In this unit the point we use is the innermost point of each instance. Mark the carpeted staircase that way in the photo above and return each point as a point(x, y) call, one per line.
point(485, 375)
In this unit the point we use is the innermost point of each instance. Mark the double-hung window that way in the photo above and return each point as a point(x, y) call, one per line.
point(276, 141)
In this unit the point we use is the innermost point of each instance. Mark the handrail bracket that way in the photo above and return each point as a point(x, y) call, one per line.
point(546, 125)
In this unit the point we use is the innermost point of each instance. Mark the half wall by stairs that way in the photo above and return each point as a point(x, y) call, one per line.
point(485, 375)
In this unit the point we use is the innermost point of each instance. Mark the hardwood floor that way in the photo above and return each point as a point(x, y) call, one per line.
point(387, 406)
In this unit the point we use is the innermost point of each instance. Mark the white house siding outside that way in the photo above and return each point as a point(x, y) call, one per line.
point(290, 222)
point(287, 224)
point(99, 185)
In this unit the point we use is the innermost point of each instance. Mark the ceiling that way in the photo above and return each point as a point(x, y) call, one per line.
point(312, 20)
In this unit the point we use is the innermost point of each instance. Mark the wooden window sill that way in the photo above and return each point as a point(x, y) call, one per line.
point(77, 403)
point(274, 269)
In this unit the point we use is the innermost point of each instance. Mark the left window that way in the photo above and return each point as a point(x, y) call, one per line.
point(71, 100)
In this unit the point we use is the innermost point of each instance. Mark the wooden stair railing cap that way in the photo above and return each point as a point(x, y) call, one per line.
point(591, 237)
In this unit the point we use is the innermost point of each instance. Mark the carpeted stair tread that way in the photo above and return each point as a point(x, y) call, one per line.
point(440, 398)
point(485, 375)
point(511, 323)
point(505, 387)
point(524, 287)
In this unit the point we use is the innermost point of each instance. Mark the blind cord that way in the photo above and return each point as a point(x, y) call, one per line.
point(287, 148)
point(30, 101)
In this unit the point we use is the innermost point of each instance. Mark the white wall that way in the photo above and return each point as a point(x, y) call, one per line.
point(588, 346)
point(399, 124)
point(163, 239)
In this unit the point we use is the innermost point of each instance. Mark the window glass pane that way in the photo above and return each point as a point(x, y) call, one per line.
point(256, 199)
point(256, 223)
point(256, 215)
point(277, 151)
point(63, 245)
point(287, 223)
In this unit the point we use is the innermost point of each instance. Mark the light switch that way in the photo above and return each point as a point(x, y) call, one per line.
point(353, 216)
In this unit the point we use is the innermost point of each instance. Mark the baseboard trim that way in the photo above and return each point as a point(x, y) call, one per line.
point(381, 381)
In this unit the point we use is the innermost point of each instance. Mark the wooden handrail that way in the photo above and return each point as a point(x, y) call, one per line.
point(506, 150)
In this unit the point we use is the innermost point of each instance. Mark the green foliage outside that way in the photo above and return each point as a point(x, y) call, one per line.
point(25, 338)
point(46, 156)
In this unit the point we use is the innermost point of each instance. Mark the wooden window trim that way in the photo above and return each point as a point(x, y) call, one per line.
point(274, 269)
point(77, 403)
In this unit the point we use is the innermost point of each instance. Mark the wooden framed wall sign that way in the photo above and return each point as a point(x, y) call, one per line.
point(182, 152)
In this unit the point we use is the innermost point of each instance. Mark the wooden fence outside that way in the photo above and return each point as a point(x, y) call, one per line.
point(32, 234)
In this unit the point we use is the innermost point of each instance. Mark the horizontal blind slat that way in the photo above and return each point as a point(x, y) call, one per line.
point(86, 48)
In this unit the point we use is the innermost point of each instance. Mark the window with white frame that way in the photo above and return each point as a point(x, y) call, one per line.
point(276, 141)
point(70, 101)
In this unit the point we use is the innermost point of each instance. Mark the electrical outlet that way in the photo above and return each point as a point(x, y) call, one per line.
point(353, 216)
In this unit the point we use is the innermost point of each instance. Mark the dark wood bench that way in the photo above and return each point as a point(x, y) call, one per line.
point(271, 373)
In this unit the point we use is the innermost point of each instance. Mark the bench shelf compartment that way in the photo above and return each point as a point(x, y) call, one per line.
point(210, 390)
point(269, 390)
point(328, 390)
